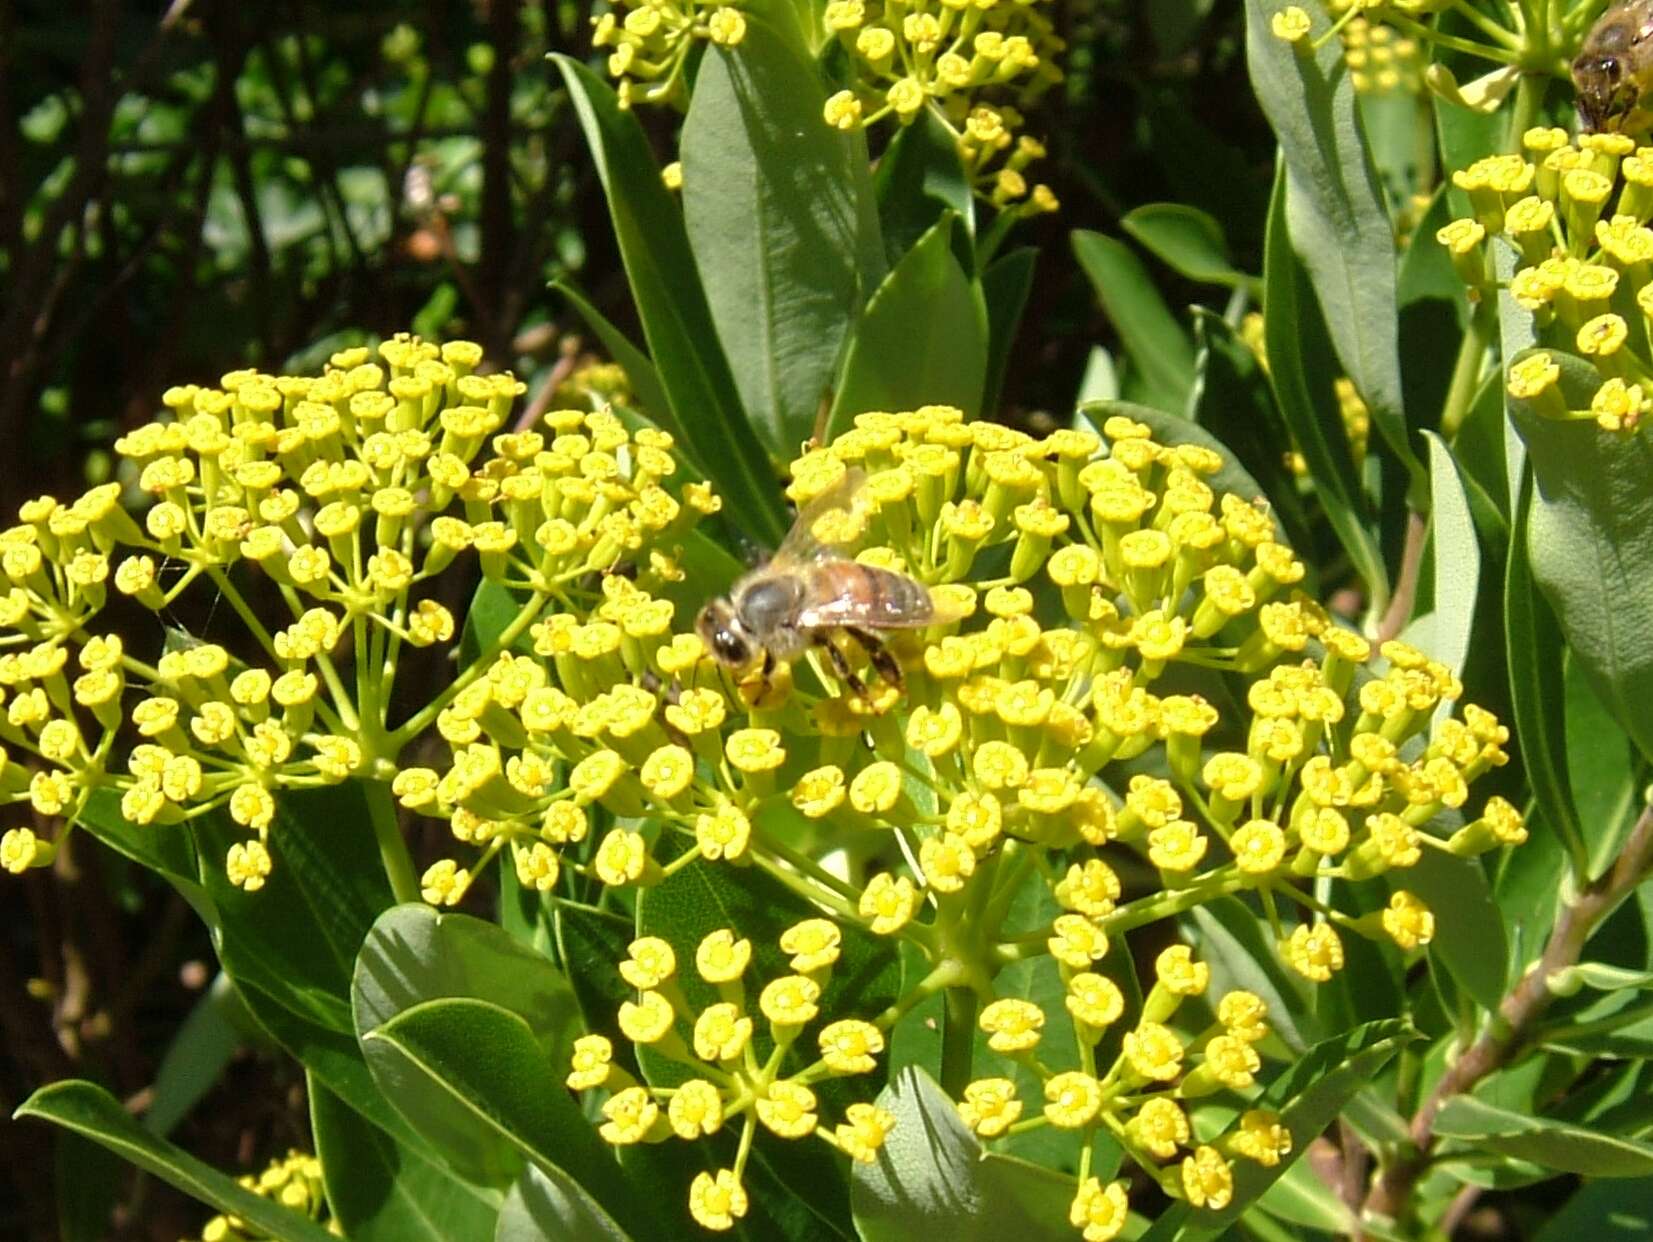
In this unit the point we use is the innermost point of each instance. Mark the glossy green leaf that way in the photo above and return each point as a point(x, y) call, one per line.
point(640, 372)
point(1188, 241)
point(1301, 367)
point(547, 1203)
point(414, 954)
point(1338, 221)
point(217, 1025)
point(672, 306)
point(516, 1091)
point(922, 339)
point(1433, 316)
point(1005, 286)
point(1308, 1097)
point(168, 850)
point(1534, 650)
point(920, 179)
point(781, 219)
point(1598, 975)
point(1157, 347)
point(933, 1179)
point(1445, 631)
point(1552, 1144)
point(382, 1191)
point(90, 1111)
point(1469, 930)
point(1608, 1211)
point(1590, 545)
point(1602, 768)
point(1233, 400)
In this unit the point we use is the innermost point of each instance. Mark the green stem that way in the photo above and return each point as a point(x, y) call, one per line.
point(958, 1040)
point(1466, 374)
point(393, 850)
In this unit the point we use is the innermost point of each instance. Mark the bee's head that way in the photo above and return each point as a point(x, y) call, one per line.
point(725, 637)
point(1600, 79)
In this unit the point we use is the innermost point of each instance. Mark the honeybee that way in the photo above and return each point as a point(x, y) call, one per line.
point(808, 594)
point(1615, 64)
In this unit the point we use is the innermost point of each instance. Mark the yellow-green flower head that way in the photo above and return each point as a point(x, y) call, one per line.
point(1160, 1127)
point(990, 1106)
point(717, 1200)
point(1099, 1212)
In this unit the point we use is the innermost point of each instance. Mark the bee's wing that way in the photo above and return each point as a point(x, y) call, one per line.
point(802, 545)
point(862, 595)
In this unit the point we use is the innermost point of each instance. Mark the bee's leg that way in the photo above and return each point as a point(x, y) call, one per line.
point(889, 668)
point(840, 665)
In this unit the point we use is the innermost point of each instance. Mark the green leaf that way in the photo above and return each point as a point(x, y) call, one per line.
point(933, 1179)
point(640, 372)
point(672, 306)
point(90, 1111)
point(1433, 316)
point(1233, 400)
point(196, 1056)
point(414, 955)
point(1552, 1144)
point(514, 1090)
point(547, 1203)
point(1300, 366)
point(1598, 975)
point(1535, 652)
point(922, 339)
point(1590, 545)
point(1469, 930)
point(781, 220)
point(919, 180)
point(1173, 429)
point(1005, 286)
point(1602, 769)
point(382, 1191)
point(168, 850)
point(1188, 241)
point(1338, 222)
point(1308, 1097)
point(1156, 345)
point(1614, 1211)
point(1444, 632)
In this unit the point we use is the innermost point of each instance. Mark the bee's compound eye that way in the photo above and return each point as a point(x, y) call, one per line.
point(729, 647)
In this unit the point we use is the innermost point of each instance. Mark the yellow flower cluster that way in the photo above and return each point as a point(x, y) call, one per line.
point(952, 57)
point(1575, 214)
point(347, 493)
point(1142, 1098)
point(293, 1181)
point(725, 1068)
point(652, 41)
point(1381, 61)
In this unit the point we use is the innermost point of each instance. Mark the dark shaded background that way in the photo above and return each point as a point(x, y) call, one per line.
point(185, 190)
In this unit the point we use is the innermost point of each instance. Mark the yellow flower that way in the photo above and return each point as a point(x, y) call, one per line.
point(1291, 24)
point(721, 1033)
point(723, 834)
point(592, 1060)
point(1177, 970)
point(1259, 846)
point(990, 1106)
point(1161, 1127)
point(1089, 888)
point(1094, 1000)
point(1012, 1025)
point(888, 903)
point(651, 963)
point(754, 750)
point(20, 849)
point(1315, 952)
point(1243, 1014)
point(790, 1000)
point(1177, 846)
point(1100, 1212)
point(813, 943)
point(647, 1020)
point(1261, 1136)
point(1072, 1100)
point(1076, 941)
point(865, 1128)
point(819, 792)
point(695, 1109)
point(631, 1114)
point(443, 884)
point(716, 1201)
point(947, 862)
point(849, 1046)
point(667, 772)
point(621, 857)
point(1153, 1051)
point(1408, 921)
point(788, 1109)
point(1232, 1062)
point(876, 788)
point(1207, 1179)
point(721, 958)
